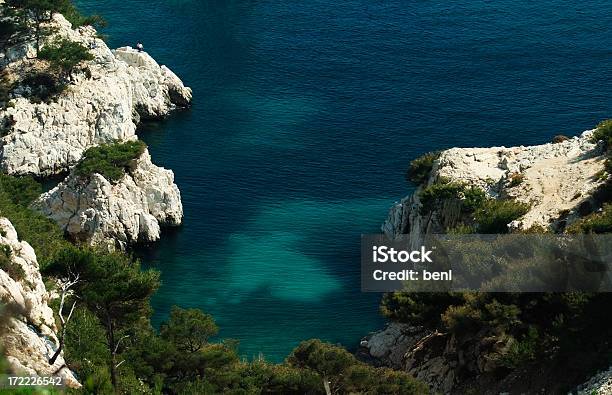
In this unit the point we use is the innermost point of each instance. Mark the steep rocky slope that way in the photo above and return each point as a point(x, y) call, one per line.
point(28, 335)
point(103, 102)
point(99, 212)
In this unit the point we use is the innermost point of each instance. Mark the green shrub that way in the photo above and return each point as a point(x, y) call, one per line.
point(63, 55)
point(20, 190)
point(594, 223)
point(12, 268)
point(471, 197)
point(437, 192)
point(111, 161)
point(7, 29)
point(417, 308)
point(420, 168)
point(523, 351)
point(74, 16)
point(603, 132)
point(495, 215)
point(515, 179)
point(347, 375)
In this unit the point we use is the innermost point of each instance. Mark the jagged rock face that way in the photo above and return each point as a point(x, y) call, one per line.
point(103, 103)
point(557, 179)
point(94, 210)
point(29, 334)
point(435, 358)
point(389, 346)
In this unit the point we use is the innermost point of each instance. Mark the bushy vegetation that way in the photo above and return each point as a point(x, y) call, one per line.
point(113, 347)
point(469, 197)
point(600, 222)
point(515, 179)
point(13, 269)
point(43, 86)
point(64, 55)
point(110, 160)
point(603, 132)
point(347, 375)
point(420, 168)
point(482, 214)
point(494, 215)
point(7, 29)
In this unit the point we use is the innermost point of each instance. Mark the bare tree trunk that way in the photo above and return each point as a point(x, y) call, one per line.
point(65, 287)
point(326, 386)
point(113, 349)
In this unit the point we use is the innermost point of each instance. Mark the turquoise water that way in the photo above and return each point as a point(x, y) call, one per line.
point(306, 115)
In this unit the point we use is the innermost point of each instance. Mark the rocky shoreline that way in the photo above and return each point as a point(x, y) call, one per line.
point(104, 101)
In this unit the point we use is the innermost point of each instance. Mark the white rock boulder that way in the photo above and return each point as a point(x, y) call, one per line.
point(114, 215)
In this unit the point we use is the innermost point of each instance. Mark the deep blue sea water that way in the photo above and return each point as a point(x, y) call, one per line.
point(306, 115)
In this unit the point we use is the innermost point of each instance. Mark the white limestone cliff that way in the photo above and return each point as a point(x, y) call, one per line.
point(94, 210)
point(104, 102)
point(28, 332)
point(556, 179)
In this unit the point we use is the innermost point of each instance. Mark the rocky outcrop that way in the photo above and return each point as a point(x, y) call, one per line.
point(94, 210)
point(389, 346)
point(600, 384)
point(104, 101)
point(557, 180)
point(28, 330)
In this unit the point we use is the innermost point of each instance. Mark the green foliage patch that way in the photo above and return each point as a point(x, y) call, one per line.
point(600, 222)
point(420, 168)
point(111, 161)
point(603, 132)
point(64, 55)
point(16, 193)
point(494, 215)
point(13, 269)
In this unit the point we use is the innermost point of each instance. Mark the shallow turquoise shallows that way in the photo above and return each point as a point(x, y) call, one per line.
point(306, 115)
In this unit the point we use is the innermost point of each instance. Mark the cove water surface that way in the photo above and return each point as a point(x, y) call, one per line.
point(305, 117)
